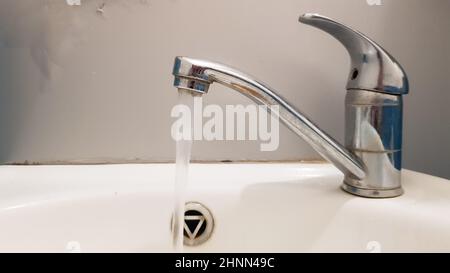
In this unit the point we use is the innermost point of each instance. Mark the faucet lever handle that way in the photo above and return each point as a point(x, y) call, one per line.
point(372, 67)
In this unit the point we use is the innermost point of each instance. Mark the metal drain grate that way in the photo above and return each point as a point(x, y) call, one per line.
point(198, 224)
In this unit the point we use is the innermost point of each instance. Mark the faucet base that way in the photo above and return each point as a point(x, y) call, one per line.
point(372, 193)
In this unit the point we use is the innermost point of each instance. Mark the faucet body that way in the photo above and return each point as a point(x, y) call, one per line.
point(373, 133)
point(371, 158)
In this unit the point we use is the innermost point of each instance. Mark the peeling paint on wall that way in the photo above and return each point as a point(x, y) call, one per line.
point(101, 8)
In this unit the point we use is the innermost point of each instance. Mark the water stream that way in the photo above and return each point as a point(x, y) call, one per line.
point(183, 156)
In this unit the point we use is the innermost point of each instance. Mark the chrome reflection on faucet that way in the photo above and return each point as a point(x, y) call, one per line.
point(371, 160)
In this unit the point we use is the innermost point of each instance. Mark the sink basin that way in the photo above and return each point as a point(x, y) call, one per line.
point(282, 207)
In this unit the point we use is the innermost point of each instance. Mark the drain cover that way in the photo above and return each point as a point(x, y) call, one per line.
point(198, 224)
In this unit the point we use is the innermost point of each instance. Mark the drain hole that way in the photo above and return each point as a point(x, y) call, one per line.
point(193, 223)
point(198, 224)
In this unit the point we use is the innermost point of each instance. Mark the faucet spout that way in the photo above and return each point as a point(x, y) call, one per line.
point(195, 76)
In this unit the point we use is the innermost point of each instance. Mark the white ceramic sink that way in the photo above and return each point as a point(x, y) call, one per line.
point(256, 208)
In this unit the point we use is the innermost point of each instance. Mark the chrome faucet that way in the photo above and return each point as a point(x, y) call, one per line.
point(371, 160)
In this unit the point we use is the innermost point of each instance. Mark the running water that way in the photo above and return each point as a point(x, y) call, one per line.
point(183, 157)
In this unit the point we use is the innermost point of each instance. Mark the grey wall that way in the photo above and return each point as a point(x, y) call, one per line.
point(78, 84)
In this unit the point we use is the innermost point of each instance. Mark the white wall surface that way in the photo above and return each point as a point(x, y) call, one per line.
point(81, 84)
